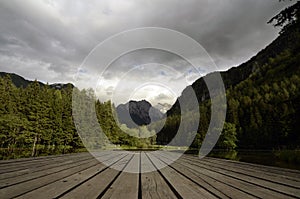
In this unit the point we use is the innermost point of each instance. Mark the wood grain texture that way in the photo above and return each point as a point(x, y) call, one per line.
point(120, 174)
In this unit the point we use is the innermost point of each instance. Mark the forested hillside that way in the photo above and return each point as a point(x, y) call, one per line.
point(120, 134)
point(36, 120)
point(263, 107)
point(263, 96)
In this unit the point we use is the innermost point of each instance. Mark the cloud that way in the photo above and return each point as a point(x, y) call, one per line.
point(161, 97)
point(49, 40)
point(109, 90)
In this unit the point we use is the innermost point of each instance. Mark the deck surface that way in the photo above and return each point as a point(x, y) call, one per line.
point(83, 176)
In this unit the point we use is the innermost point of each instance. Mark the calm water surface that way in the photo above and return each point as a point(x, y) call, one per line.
point(268, 158)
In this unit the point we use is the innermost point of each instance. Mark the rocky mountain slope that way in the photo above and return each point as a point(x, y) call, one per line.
point(138, 113)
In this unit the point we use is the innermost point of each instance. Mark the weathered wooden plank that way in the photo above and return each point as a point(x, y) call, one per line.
point(57, 188)
point(27, 186)
point(41, 173)
point(29, 170)
point(246, 187)
point(94, 187)
point(217, 188)
point(40, 158)
point(153, 185)
point(54, 189)
point(255, 172)
point(265, 175)
point(196, 166)
point(17, 167)
point(184, 187)
point(238, 185)
point(40, 167)
point(81, 176)
point(287, 190)
point(126, 185)
point(98, 184)
point(146, 164)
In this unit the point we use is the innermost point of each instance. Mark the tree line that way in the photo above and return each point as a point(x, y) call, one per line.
point(36, 120)
point(263, 96)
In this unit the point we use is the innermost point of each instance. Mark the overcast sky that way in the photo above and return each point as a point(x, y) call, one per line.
point(48, 40)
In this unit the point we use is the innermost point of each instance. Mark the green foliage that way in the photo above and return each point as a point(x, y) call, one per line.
point(263, 108)
point(227, 139)
point(120, 134)
point(263, 97)
point(230, 155)
point(36, 120)
point(289, 156)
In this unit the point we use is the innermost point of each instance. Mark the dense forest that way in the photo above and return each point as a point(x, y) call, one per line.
point(263, 107)
point(263, 96)
point(36, 120)
point(120, 134)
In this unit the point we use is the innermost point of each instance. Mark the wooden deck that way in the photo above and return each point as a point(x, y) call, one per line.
point(82, 176)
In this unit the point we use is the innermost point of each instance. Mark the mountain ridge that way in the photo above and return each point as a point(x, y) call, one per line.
point(262, 97)
point(236, 74)
point(20, 81)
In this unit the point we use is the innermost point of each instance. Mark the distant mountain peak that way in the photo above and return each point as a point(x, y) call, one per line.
point(138, 113)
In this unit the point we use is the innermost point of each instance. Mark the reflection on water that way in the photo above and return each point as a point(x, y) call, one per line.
point(284, 159)
point(279, 158)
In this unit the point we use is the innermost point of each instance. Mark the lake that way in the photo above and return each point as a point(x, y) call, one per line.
point(283, 159)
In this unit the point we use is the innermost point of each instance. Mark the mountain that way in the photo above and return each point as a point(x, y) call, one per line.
point(138, 113)
point(236, 75)
point(19, 81)
point(263, 97)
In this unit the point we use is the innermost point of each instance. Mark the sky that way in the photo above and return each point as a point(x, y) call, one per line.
point(49, 40)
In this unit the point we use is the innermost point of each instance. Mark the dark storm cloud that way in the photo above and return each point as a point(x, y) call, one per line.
point(48, 39)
